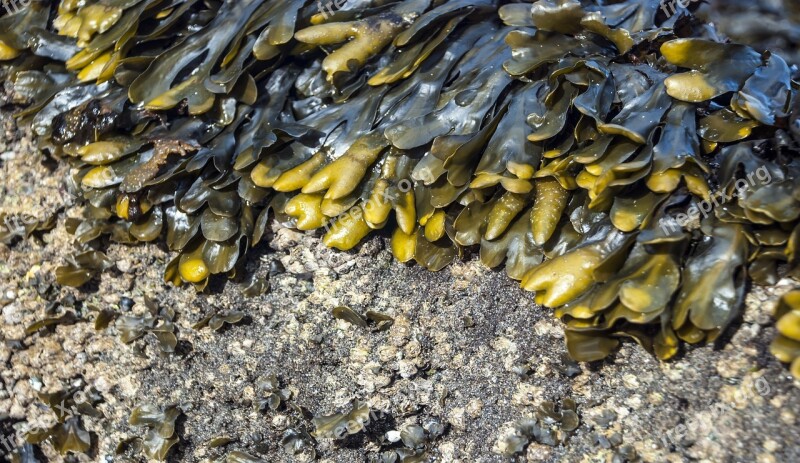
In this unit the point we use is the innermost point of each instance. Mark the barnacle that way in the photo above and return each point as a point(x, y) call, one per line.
point(632, 170)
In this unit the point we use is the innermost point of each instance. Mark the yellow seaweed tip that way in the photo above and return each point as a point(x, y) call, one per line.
point(193, 270)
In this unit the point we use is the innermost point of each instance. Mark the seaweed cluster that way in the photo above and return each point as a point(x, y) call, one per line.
point(275, 396)
point(632, 169)
point(375, 321)
point(157, 321)
point(416, 440)
point(68, 433)
point(160, 425)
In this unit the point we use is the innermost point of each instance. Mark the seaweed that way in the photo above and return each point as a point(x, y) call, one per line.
point(156, 321)
point(68, 435)
point(550, 425)
point(242, 457)
point(217, 320)
point(786, 345)
point(340, 425)
point(272, 394)
point(13, 227)
point(416, 440)
point(160, 429)
point(350, 316)
point(634, 171)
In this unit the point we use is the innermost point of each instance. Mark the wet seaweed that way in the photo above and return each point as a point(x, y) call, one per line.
point(550, 425)
point(217, 320)
point(416, 440)
point(272, 396)
point(14, 227)
point(242, 457)
point(68, 434)
point(786, 345)
point(159, 424)
point(156, 321)
point(342, 424)
point(350, 316)
point(633, 170)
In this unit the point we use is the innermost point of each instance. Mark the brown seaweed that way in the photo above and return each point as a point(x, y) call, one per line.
point(550, 425)
point(786, 346)
point(68, 434)
point(160, 429)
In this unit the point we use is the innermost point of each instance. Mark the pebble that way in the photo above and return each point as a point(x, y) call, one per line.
point(36, 383)
point(393, 436)
point(124, 265)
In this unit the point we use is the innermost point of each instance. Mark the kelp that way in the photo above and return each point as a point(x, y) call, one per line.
point(375, 321)
point(349, 315)
point(776, 28)
point(217, 320)
point(13, 227)
point(66, 319)
point(634, 170)
point(242, 457)
point(298, 443)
